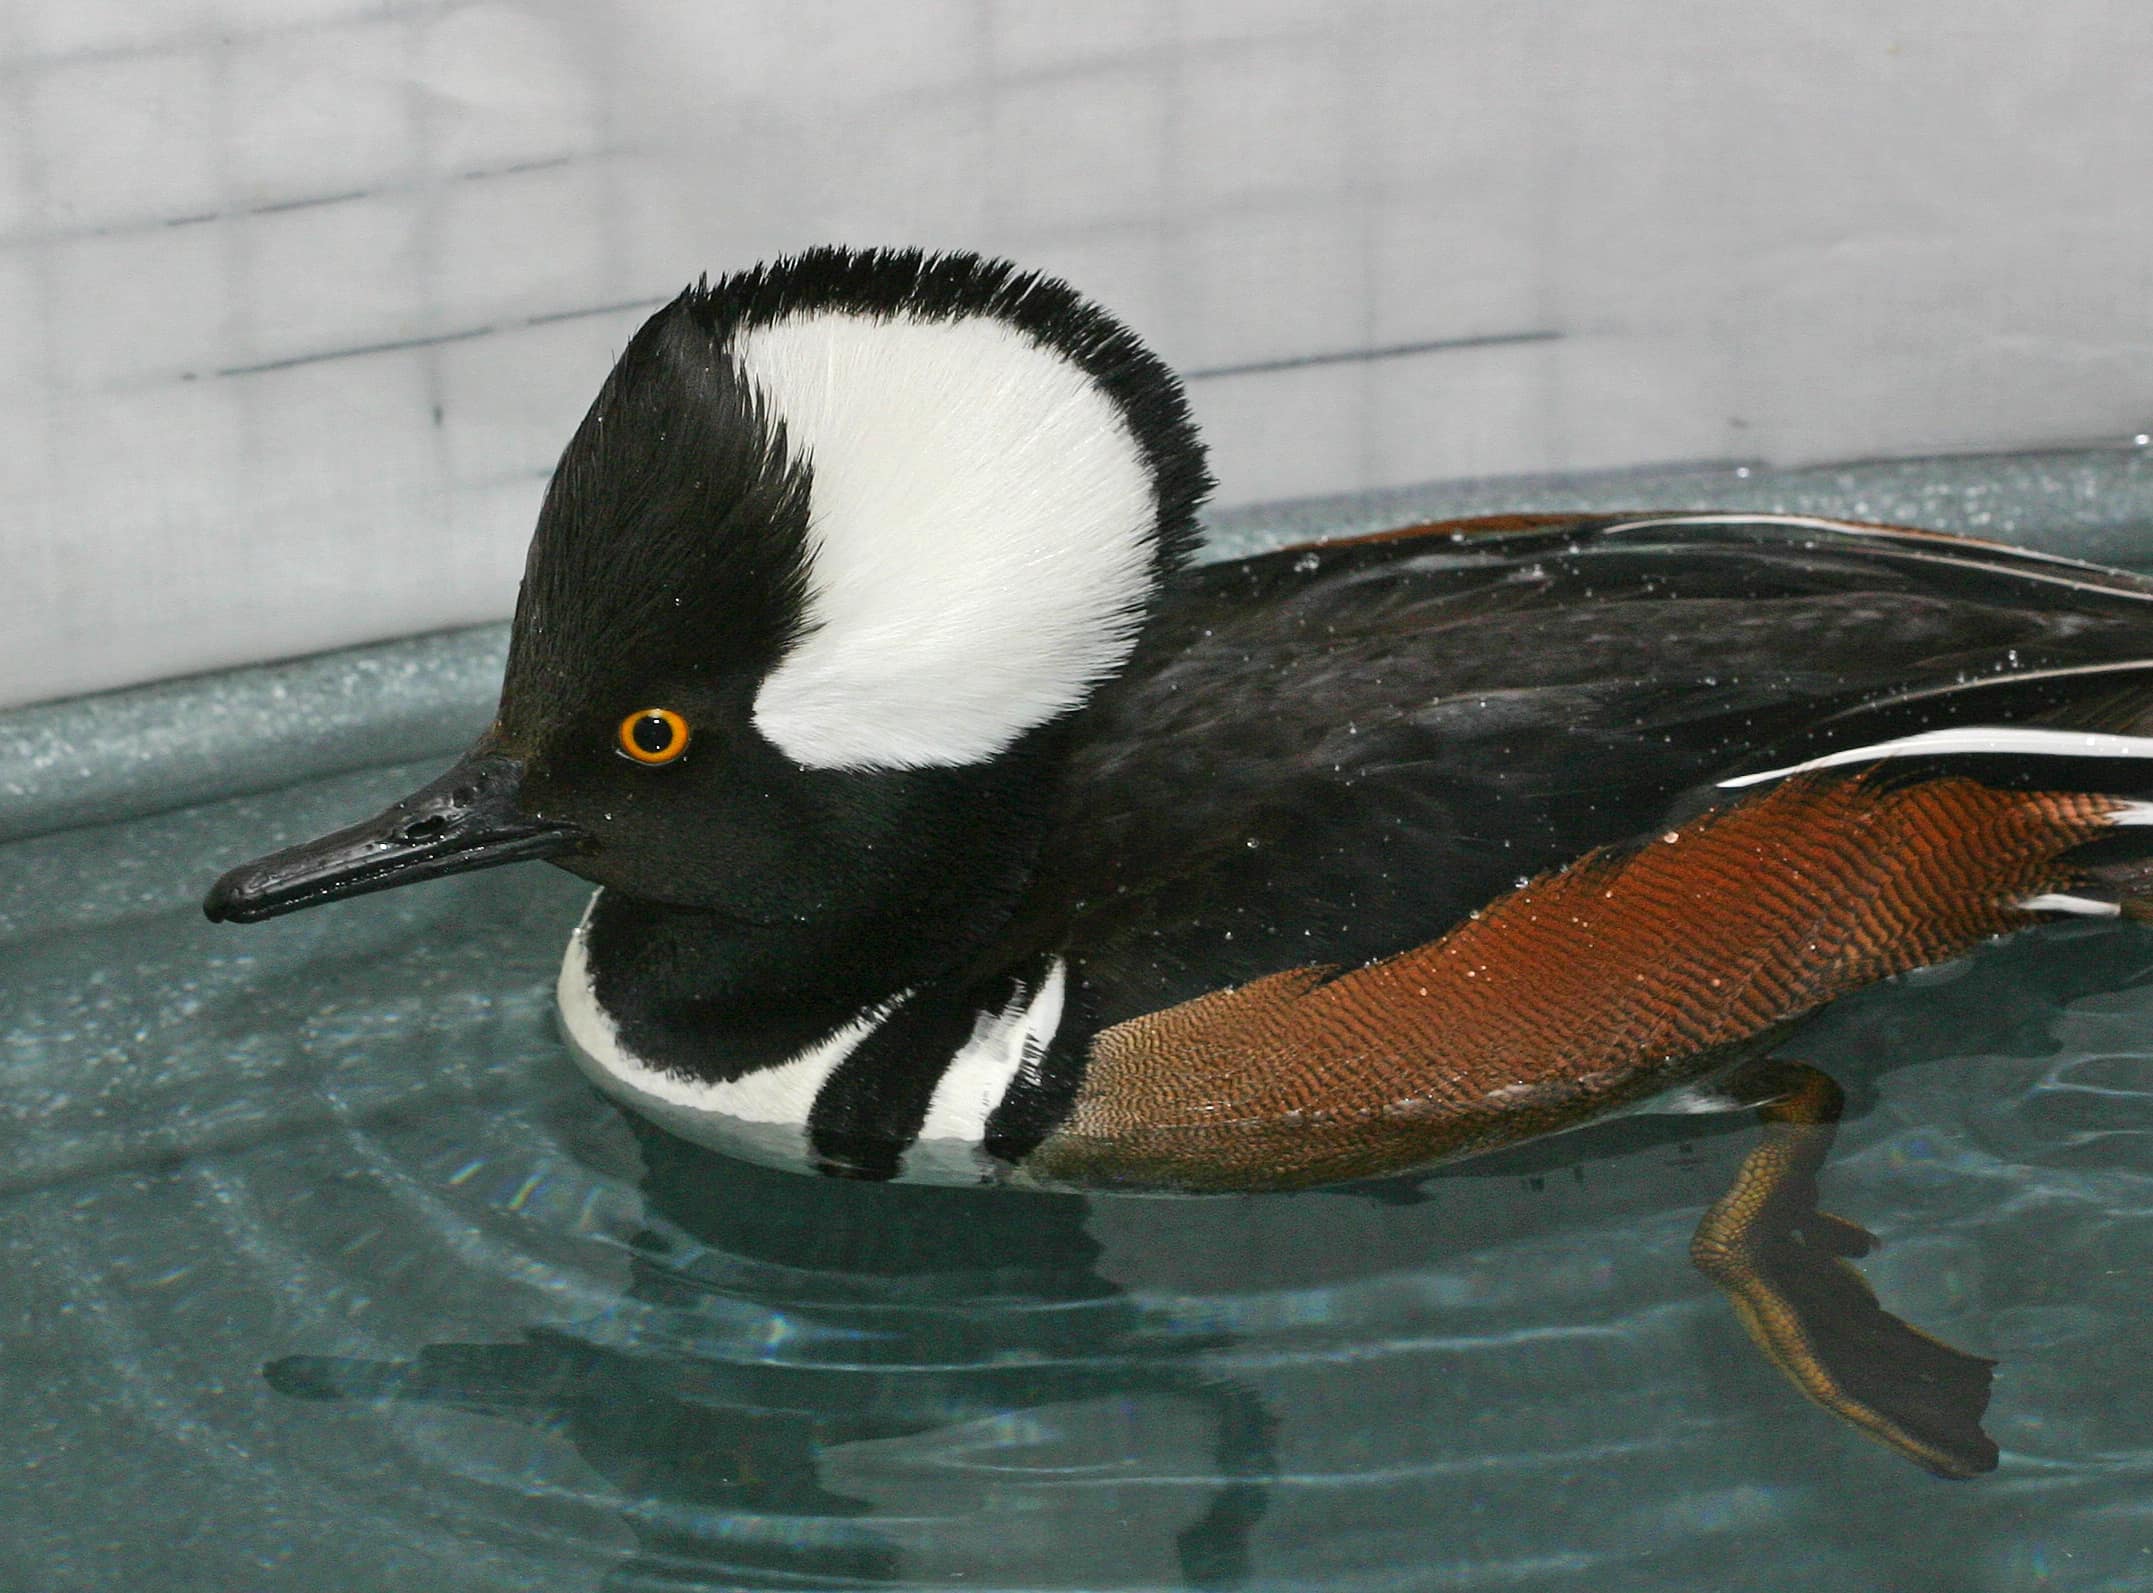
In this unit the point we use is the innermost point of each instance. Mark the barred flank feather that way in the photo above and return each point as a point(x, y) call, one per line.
point(1581, 992)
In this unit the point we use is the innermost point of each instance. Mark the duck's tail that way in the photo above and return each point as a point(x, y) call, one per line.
point(2084, 730)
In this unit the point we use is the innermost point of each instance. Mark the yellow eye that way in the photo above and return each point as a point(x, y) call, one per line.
point(654, 735)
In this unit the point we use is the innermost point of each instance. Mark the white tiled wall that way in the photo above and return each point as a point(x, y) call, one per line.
point(299, 298)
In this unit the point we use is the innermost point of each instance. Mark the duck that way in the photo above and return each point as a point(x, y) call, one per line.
point(953, 821)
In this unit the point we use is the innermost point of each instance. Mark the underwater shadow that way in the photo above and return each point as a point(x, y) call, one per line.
point(900, 1309)
point(906, 1310)
point(1771, 1242)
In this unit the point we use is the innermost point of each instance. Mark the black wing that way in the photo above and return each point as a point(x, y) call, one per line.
point(1331, 752)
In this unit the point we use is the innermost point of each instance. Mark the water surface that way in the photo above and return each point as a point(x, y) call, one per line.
point(320, 1267)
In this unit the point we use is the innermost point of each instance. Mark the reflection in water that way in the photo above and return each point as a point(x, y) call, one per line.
point(1511, 1352)
point(877, 1313)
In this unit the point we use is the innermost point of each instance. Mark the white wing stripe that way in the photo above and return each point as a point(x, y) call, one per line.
point(1972, 740)
point(2083, 906)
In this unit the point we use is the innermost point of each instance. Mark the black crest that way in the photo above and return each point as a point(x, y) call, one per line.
point(911, 282)
point(675, 529)
point(676, 522)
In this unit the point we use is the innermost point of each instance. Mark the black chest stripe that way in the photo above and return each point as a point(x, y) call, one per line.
point(869, 1111)
point(1045, 1087)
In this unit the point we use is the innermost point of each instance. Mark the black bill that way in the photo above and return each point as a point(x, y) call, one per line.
point(467, 819)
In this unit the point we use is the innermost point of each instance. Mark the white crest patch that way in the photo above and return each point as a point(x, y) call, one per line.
point(981, 525)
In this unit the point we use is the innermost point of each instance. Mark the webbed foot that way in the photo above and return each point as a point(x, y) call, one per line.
point(1782, 1263)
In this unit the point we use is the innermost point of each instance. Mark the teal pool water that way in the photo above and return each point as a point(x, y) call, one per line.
point(324, 1269)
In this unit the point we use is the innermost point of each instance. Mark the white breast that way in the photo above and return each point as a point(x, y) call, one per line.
point(763, 1116)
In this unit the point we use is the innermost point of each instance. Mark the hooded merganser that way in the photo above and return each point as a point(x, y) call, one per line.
point(951, 824)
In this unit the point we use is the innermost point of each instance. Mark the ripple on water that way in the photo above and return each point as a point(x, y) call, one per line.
point(319, 1254)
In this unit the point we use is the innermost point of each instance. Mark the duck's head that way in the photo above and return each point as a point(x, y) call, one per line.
point(841, 546)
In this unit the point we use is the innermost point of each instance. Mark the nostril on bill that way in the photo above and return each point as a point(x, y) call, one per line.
point(431, 828)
